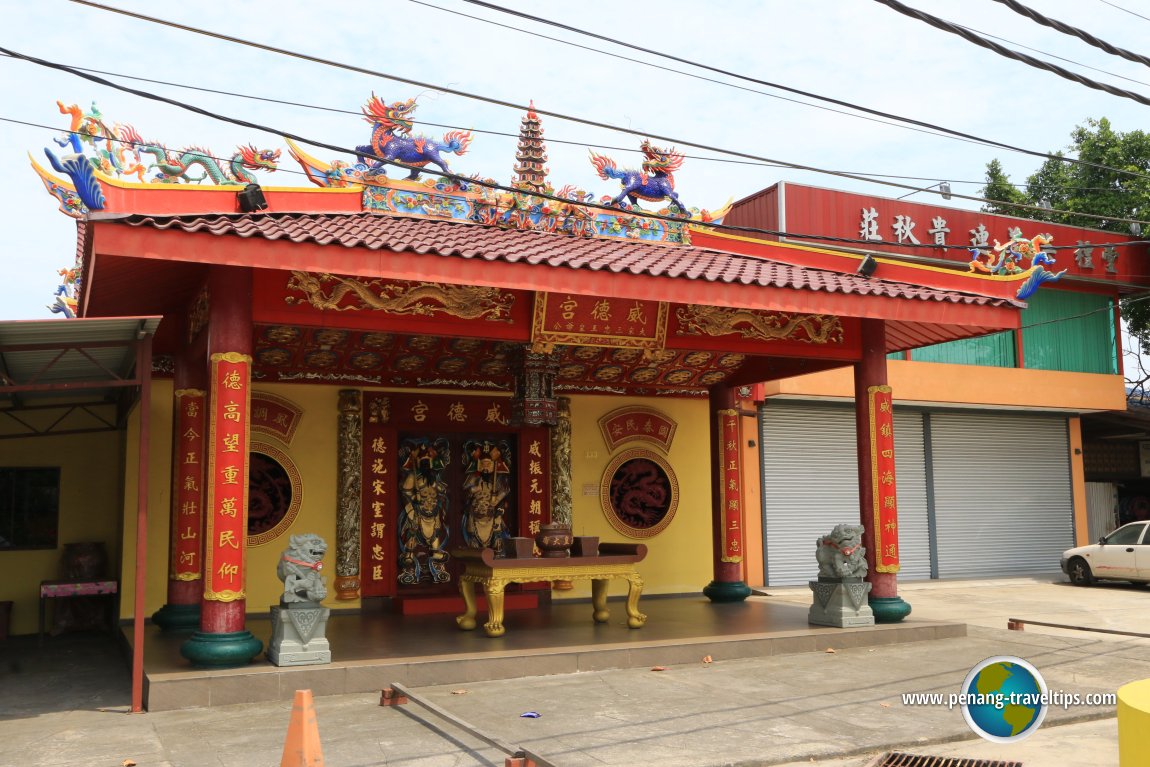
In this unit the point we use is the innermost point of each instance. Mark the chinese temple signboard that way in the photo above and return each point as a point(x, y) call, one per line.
point(881, 427)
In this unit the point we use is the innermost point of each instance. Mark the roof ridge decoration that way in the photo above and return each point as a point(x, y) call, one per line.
point(103, 151)
point(1009, 255)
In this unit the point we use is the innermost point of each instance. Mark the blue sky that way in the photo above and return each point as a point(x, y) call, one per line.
point(853, 50)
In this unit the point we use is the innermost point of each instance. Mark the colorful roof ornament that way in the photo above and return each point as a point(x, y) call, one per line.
point(1008, 257)
point(102, 152)
point(531, 153)
point(391, 140)
point(655, 182)
point(64, 301)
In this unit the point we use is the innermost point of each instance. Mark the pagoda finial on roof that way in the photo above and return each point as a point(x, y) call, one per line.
point(530, 173)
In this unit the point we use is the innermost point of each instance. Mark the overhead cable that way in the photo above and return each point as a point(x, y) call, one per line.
point(788, 89)
point(559, 115)
point(562, 116)
point(1067, 29)
point(966, 34)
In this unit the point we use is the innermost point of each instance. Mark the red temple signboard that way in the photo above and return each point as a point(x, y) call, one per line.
point(563, 318)
point(188, 485)
point(227, 479)
point(880, 405)
point(637, 423)
point(274, 415)
point(731, 485)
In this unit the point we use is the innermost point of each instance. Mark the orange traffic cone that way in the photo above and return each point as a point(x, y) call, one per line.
point(301, 748)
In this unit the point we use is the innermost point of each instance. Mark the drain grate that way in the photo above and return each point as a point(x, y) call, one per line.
point(896, 759)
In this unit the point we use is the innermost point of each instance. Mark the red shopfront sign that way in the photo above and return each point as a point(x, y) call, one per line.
point(922, 229)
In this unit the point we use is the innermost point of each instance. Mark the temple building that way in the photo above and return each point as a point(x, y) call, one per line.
point(413, 366)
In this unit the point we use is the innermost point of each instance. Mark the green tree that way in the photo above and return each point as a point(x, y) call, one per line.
point(1094, 185)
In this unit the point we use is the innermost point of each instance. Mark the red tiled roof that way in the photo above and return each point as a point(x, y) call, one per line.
point(380, 232)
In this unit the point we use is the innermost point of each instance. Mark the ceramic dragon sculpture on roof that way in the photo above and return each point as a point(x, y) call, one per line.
point(655, 182)
point(117, 150)
point(391, 139)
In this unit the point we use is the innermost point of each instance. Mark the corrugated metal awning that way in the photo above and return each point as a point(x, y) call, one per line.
point(69, 376)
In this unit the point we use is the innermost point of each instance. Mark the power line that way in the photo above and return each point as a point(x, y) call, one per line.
point(1067, 29)
point(966, 34)
point(685, 74)
point(747, 78)
point(562, 116)
point(1052, 56)
point(507, 134)
point(1124, 10)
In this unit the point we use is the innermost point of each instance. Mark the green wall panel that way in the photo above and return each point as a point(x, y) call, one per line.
point(1069, 331)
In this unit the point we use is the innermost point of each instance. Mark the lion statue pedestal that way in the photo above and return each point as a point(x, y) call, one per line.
point(299, 621)
point(841, 592)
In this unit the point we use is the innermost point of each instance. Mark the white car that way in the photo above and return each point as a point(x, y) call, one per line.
point(1124, 555)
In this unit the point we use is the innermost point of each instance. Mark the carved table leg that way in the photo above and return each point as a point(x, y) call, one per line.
point(494, 625)
point(599, 599)
point(635, 619)
point(467, 620)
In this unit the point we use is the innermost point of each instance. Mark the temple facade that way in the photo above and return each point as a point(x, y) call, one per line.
point(413, 366)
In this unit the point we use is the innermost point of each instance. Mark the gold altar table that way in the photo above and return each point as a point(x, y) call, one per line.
point(615, 560)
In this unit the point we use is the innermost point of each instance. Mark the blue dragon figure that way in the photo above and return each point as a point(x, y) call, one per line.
point(655, 182)
point(391, 140)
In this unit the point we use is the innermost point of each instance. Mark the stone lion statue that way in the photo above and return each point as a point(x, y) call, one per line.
point(840, 554)
point(299, 569)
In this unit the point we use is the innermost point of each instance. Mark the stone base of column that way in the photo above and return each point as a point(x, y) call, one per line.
point(228, 650)
point(726, 591)
point(177, 618)
point(347, 587)
point(889, 609)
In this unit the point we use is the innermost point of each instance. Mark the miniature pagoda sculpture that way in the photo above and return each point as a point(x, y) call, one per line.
point(299, 622)
point(531, 153)
point(840, 593)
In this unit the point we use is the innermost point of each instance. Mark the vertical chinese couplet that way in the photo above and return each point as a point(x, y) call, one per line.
point(730, 459)
point(227, 477)
point(885, 499)
point(188, 485)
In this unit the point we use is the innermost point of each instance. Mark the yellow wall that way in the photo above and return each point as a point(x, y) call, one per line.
point(313, 450)
point(937, 382)
point(89, 511)
point(679, 558)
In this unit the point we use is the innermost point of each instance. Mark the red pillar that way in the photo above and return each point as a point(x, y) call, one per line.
point(222, 639)
point(878, 511)
point(181, 612)
point(726, 499)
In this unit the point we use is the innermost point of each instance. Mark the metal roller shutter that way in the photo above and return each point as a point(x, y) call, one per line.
point(810, 484)
point(1003, 503)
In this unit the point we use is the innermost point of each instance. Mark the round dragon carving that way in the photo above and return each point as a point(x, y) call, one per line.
point(639, 493)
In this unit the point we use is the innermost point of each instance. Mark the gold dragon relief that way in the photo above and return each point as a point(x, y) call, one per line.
point(759, 325)
point(341, 294)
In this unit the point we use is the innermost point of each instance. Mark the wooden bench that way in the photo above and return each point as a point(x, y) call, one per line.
point(615, 560)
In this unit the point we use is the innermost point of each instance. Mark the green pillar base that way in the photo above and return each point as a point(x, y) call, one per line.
point(177, 618)
point(726, 591)
point(889, 609)
point(228, 650)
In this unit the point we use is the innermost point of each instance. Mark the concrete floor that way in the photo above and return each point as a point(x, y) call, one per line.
point(839, 708)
